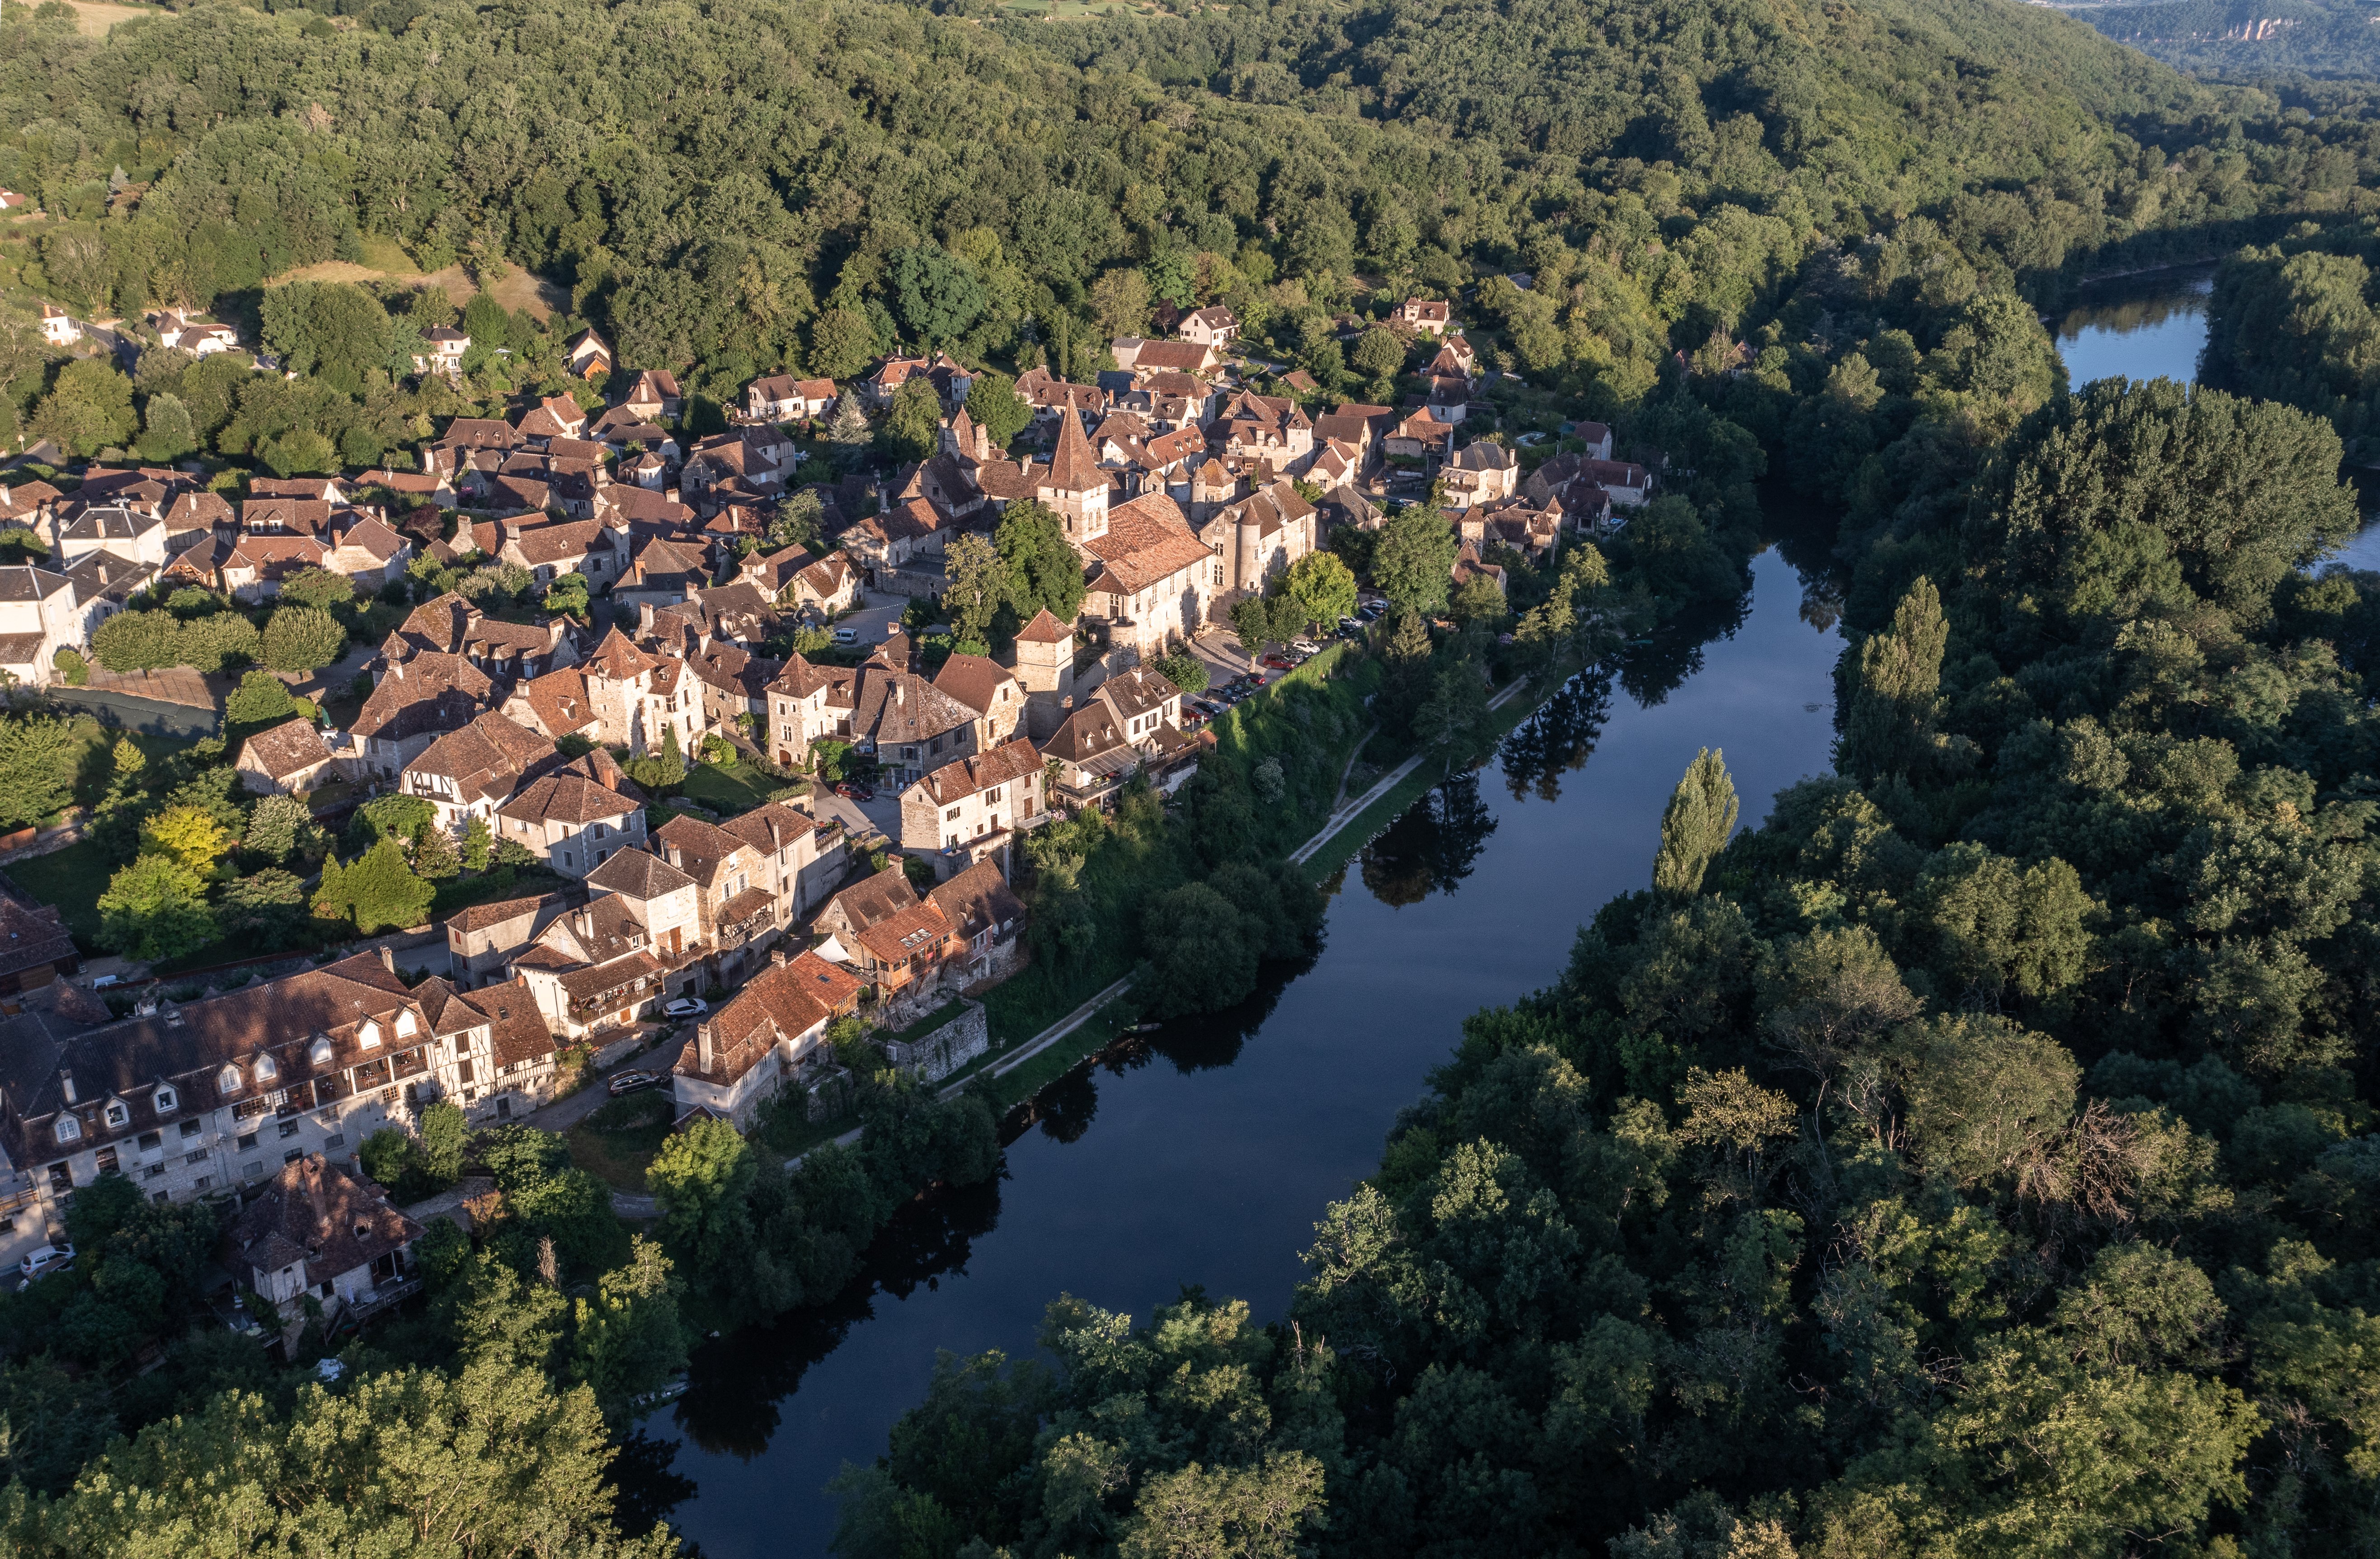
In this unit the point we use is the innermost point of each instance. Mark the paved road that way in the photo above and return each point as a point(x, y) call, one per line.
point(564, 1114)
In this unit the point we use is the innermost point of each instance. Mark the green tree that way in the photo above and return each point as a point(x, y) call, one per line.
point(1044, 571)
point(267, 907)
point(317, 587)
point(702, 1178)
point(628, 1340)
point(443, 1131)
point(192, 837)
point(135, 641)
point(1119, 299)
point(1185, 671)
point(261, 700)
point(1480, 600)
point(167, 432)
point(1454, 710)
point(841, 342)
point(302, 638)
point(88, 410)
point(299, 452)
point(334, 330)
point(1380, 356)
point(913, 429)
point(1252, 620)
point(283, 829)
point(974, 587)
point(1695, 827)
point(377, 891)
point(937, 295)
point(1322, 586)
point(155, 908)
point(996, 408)
point(1414, 564)
point(1200, 955)
point(37, 767)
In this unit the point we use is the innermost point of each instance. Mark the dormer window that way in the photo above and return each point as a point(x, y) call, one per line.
point(368, 1036)
point(405, 1024)
point(320, 1052)
point(266, 1070)
point(227, 1080)
point(168, 1101)
point(69, 1129)
point(118, 1112)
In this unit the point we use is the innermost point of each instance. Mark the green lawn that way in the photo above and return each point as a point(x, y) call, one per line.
point(728, 788)
point(72, 879)
point(619, 1140)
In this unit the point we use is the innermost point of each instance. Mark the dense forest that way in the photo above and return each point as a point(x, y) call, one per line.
point(1972, 1157)
point(2245, 40)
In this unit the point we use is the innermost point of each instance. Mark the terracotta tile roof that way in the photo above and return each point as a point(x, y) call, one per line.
point(428, 692)
point(487, 758)
point(782, 1001)
point(619, 659)
point(771, 826)
point(906, 933)
point(978, 900)
point(559, 701)
point(1044, 630)
point(701, 849)
point(901, 706)
point(484, 917)
point(32, 935)
point(1146, 541)
point(1012, 761)
point(975, 681)
point(1141, 690)
point(1088, 734)
point(638, 874)
point(316, 1212)
point(1073, 466)
point(287, 749)
point(875, 898)
point(567, 798)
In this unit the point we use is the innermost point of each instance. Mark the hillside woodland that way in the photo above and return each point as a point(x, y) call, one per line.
point(1973, 1157)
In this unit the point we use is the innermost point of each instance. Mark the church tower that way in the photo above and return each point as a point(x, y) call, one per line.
point(1045, 669)
point(1075, 488)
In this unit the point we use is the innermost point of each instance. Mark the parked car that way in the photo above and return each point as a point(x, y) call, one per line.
point(1306, 646)
point(43, 1259)
point(846, 636)
point(630, 1082)
point(855, 792)
point(107, 982)
point(686, 1006)
point(1279, 662)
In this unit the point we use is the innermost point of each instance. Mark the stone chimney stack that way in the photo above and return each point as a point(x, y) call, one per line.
point(703, 1048)
point(66, 1082)
point(777, 957)
point(387, 959)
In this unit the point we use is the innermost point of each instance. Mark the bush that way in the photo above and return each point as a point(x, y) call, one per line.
point(1185, 671)
point(72, 671)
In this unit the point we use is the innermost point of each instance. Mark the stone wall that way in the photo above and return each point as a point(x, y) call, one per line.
point(937, 1055)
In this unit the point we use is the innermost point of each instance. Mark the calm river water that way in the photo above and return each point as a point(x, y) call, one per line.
point(1206, 1157)
point(1209, 1157)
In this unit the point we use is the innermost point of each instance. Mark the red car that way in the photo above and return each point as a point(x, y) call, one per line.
point(1279, 662)
point(855, 792)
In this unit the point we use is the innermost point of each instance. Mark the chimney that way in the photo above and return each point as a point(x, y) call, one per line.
point(387, 959)
point(66, 1081)
point(644, 616)
point(670, 853)
point(703, 1049)
point(777, 958)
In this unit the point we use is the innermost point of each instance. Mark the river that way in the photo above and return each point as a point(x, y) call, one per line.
point(1208, 1156)
point(1205, 1156)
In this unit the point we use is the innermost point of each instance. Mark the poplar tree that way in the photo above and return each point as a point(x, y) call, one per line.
point(1695, 827)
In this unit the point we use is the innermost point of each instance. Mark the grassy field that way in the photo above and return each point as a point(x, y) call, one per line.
point(93, 20)
point(71, 878)
point(727, 788)
point(617, 1143)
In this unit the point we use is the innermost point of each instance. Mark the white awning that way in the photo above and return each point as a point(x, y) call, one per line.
point(831, 951)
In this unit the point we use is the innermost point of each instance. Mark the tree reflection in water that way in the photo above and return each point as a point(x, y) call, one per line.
point(1432, 847)
point(1650, 671)
point(736, 1382)
point(1557, 738)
